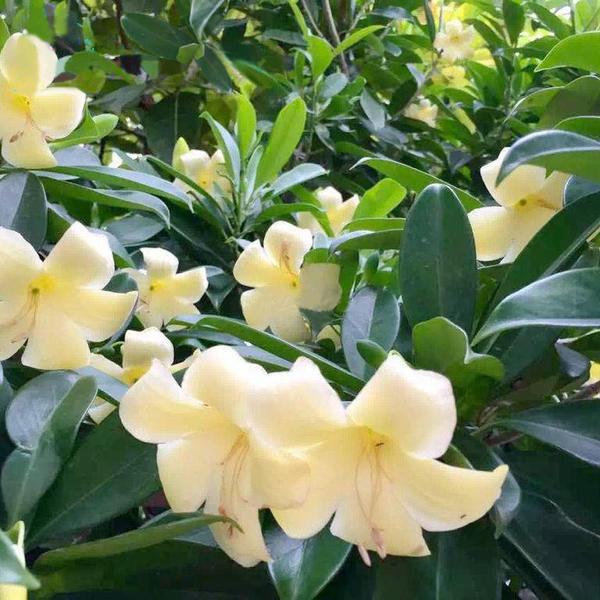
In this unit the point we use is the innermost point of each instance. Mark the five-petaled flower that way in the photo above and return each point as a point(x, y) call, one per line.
point(527, 201)
point(423, 110)
point(58, 304)
point(339, 213)
point(456, 41)
point(30, 113)
point(164, 293)
point(374, 464)
point(207, 452)
point(283, 285)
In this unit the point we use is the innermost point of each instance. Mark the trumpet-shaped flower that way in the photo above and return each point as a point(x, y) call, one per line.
point(139, 349)
point(9, 591)
point(58, 304)
point(164, 293)
point(456, 41)
point(374, 464)
point(423, 110)
point(339, 213)
point(207, 453)
point(527, 200)
point(282, 285)
point(30, 113)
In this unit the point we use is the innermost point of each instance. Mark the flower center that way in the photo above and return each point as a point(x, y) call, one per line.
point(132, 374)
point(156, 285)
point(22, 103)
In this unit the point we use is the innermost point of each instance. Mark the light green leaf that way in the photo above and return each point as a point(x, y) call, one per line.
point(355, 37)
point(581, 51)
point(321, 54)
point(379, 200)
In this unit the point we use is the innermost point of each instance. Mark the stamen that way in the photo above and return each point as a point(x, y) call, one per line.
point(364, 554)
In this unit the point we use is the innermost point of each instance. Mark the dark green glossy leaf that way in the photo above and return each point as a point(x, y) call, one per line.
point(200, 14)
point(154, 35)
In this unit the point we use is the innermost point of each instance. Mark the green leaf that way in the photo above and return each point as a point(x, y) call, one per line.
point(375, 224)
point(280, 210)
point(381, 199)
point(373, 109)
point(578, 97)
point(356, 36)
point(11, 569)
point(550, 20)
point(80, 62)
point(228, 146)
point(245, 124)
point(372, 314)
point(414, 179)
point(154, 35)
point(385, 239)
point(589, 126)
point(438, 270)
point(4, 32)
point(567, 299)
point(23, 206)
point(285, 136)
point(42, 420)
point(514, 19)
point(126, 542)
point(109, 473)
point(119, 198)
point(90, 130)
point(570, 426)
point(300, 569)
point(581, 51)
point(321, 54)
point(201, 13)
point(296, 176)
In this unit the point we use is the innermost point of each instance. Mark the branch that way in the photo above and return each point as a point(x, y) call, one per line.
point(334, 32)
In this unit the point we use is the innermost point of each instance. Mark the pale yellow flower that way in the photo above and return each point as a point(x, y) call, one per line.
point(283, 285)
point(527, 201)
point(30, 113)
point(10, 591)
point(139, 349)
point(207, 453)
point(456, 41)
point(58, 304)
point(453, 76)
point(374, 464)
point(339, 213)
point(164, 293)
point(423, 110)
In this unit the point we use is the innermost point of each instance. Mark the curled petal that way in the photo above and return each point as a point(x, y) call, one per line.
point(493, 231)
point(414, 408)
point(19, 264)
point(286, 245)
point(81, 258)
point(319, 286)
point(341, 215)
point(57, 111)
point(142, 347)
point(329, 197)
point(28, 149)
point(159, 263)
point(552, 192)
point(255, 268)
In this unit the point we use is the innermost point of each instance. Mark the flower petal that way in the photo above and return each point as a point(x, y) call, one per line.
point(296, 408)
point(286, 245)
point(49, 327)
point(319, 286)
point(19, 264)
point(493, 230)
point(254, 268)
point(441, 497)
point(14, 321)
point(341, 215)
point(28, 63)
point(28, 149)
point(58, 111)
point(191, 284)
point(156, 410)
point(415, 408)
point(100, 409)
point(14, 116)
point(222, 379)
point(142, 347)
point(552, 192)
point(193, 163)
point(307, 221)
point(159, 263)
point(524, 181)
point(102, 364)
point(527, 222)
point(185, 466)
point(81, 258)
point(160, 306)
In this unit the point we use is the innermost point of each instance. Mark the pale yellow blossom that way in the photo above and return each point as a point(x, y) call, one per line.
point(422, 110)
point(283, 285)
point(527, 199)
point(207, 452)
point(164, 293)
point(30, 112)
point(456, 41)
point(339, 213)
point(58, 304)
point(453, 76)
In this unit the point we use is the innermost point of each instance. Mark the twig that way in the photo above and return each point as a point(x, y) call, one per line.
point(119, 12)
point(334, 33)
point(309, 14)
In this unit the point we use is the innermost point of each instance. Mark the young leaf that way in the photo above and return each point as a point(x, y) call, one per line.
point(379, 200)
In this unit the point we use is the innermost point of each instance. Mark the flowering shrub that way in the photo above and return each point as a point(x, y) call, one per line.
point(300, 299)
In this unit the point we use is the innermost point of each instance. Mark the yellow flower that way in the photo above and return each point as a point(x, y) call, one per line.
point(374, 464)
point(423, 110)
point(527, 201)
point(207, 453)
point(57, 305)
point(339, 213)
point(139, 349)
point(164, 293)
point(452, 76)
point(11, 591)
point(456, 41)
point(282, 284)
point(30, 113)
point(594, 372)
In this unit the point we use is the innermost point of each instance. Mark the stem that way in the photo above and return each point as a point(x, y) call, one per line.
point(334, 33)
point(309, 14)
point(119, 12)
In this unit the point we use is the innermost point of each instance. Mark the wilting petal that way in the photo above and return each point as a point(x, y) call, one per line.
point(441, 497)
point(319, 286)
point(156, 410)
point(341, 215)
point(159, 263)
point(527, 222)
point(191, 284)
point(296, 408)
point(142, 347)
point(286, 245)
point(254, 268)
point(524, 181)
point(278, 479)
point(415, 408)
point(185, 466)
point(493, 230)
point(221, 378)
point(58, 111)
point(28, 149)
point(553, 191)
point(98, 313)
point(28, 63)
point(81, 258)
point(55, 341)
point(19, 264)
